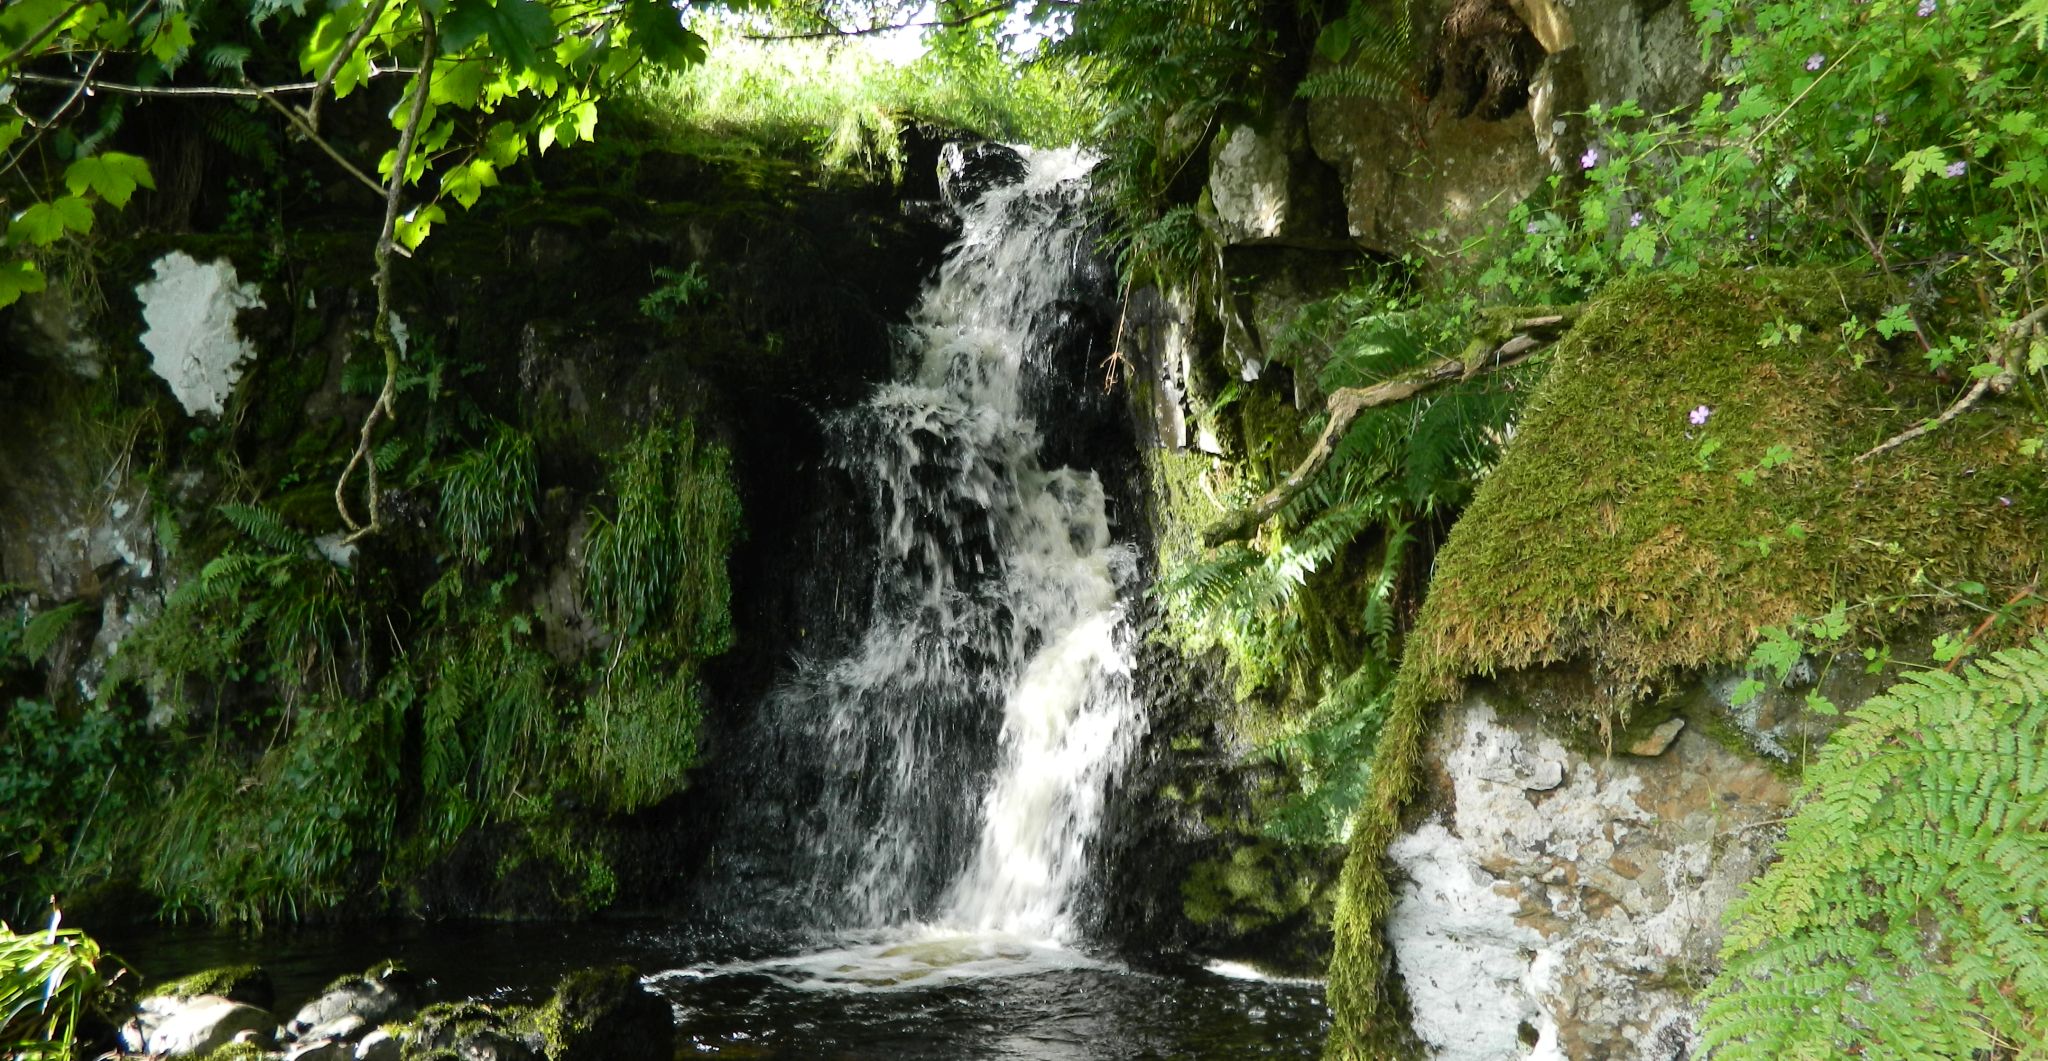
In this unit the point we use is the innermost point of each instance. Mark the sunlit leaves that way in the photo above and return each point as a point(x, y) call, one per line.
point(112, 176)
point(45, 223)
point(18, 278)
point(661, 34)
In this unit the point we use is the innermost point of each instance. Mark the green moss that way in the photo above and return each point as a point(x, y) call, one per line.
point(1259, 884)
point(230, 981)
point(1619, 536)
point(237, 1052)
point(1618, 533)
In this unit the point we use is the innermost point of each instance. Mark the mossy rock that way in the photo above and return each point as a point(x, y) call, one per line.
point(605, 1014)
point(248, 984)
point(238, 1052)
point(1618, 532)
point(1637, 542)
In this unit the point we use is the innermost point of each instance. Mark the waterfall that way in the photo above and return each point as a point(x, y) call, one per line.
point(962, 740)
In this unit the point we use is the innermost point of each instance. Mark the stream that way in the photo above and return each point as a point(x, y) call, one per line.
point(910, 876)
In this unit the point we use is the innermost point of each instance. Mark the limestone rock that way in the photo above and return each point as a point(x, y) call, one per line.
point(190, 1027)
point(1568, 921)
point(1657, 740)
point(379, 1045)
point(385, 994)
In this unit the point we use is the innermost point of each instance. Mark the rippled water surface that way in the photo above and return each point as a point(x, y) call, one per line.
point(908, 996)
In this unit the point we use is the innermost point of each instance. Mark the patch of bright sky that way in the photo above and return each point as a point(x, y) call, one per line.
point(1020, 34)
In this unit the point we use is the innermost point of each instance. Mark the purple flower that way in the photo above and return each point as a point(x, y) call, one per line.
point(1882, 118)
point(1956, 168)
point(2003, 501)
point(1927, 8)
point(1532, 228)
point(1699, 416)
point(1590, 159)
point(1635, 219)
point(1814, 61)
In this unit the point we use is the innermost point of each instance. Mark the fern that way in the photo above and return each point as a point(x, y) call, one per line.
point(487, 493)
point(1904, 918)
point(1372, 47)
point(267, 528)
point(41, 633)
point(658, 561)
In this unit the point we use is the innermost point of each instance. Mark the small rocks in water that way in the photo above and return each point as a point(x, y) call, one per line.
point(386, 993)
point(172, 1027)
point(1657, 740)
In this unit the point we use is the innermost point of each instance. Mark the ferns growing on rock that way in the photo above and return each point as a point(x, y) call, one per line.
point(1904, 919)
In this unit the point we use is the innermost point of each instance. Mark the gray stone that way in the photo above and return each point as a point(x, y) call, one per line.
point(967, 171)
point(321, 1049)
point(1657, 740)
point(386, 995)
point(379, 1045)
point(348, 1026)
point(1575, 915)
point(170, 1027)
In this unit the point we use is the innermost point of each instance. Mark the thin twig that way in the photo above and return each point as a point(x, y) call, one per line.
point(348, 48)
point(305, 128)
point(385, 405)
point(2013, 340)
point(36, 38)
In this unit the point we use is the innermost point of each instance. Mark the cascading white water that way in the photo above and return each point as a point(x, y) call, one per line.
point(972, 730)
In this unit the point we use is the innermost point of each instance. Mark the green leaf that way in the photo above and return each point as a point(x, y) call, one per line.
point(658, 29)
point(516, 29)
point(414, 226)
point(18, 278)
point(171, 38)
point(45, 223)
point(112, 176)
point(10, 131)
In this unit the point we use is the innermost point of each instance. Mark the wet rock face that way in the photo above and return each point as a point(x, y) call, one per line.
point(1555, 903)
point(968, 170)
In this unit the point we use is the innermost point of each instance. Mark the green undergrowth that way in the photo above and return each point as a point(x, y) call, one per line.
point(847, 105)
point(1685, 476)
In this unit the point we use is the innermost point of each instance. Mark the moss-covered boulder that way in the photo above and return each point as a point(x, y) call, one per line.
point(1690, 474)
point(606, 1014)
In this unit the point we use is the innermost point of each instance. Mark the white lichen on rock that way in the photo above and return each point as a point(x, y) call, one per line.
point(190, 309)
point(1555, 903)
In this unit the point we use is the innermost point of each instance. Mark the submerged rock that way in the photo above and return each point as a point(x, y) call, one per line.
point(607, 1014)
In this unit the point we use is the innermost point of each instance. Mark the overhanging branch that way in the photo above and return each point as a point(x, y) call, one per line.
point(1529, 337)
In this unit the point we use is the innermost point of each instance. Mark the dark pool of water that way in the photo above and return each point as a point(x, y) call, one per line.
point(881, 1000)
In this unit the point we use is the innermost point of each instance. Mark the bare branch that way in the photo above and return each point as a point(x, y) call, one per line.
point(36, 38)
point(305, 128)
point(1531, 336)
point(2013, 341)
point(348, 48)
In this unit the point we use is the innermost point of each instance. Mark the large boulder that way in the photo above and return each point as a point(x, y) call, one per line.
point(1557, 901)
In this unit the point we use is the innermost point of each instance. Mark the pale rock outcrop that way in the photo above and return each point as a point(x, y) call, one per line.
point(190, 309)
point(1555, 903)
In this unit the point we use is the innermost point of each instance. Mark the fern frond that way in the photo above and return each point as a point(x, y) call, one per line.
point(267, 528)
point(1904, 918)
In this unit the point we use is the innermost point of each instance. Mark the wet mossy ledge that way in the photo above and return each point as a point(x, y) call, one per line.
point(1685, 476)
point(499, 705)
